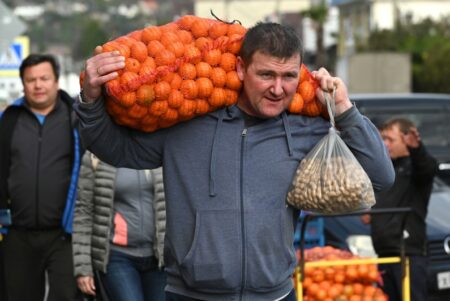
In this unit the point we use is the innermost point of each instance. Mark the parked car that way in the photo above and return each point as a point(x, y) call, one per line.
point(431, 114)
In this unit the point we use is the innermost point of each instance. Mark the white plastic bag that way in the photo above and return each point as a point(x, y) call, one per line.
point(329, 179)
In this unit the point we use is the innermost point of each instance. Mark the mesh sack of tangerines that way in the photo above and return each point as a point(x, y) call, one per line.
point(181, 70)
point(340, 277)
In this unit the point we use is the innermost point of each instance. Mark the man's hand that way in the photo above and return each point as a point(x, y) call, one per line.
point(412, 138)
point(86, 285)
point(326, 85)
point(100, 69)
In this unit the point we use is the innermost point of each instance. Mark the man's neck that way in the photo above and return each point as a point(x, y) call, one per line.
point(251, 120)
point(42, 111)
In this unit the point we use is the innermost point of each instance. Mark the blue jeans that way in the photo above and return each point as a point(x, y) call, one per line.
point(133, 278)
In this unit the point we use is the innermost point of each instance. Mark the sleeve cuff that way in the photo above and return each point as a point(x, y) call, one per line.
point(349, 118)
point(82, 101)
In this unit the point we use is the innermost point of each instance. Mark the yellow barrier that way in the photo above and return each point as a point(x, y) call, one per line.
point(385, 260)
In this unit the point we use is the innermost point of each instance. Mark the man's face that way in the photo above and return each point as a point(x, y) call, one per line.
point(269, 84)
point(40, 86)
point(393, 139)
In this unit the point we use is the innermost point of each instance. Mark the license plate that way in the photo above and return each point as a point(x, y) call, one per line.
point(443, 280)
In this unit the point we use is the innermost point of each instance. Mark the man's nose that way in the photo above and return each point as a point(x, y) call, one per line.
point(277, 87)
point(38, 83)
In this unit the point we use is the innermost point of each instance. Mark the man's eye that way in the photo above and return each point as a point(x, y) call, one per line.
point(266, 75)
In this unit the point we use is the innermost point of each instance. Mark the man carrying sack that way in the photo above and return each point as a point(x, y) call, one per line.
point(229, 232)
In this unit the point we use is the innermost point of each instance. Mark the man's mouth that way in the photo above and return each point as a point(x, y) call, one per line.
point(274, 99)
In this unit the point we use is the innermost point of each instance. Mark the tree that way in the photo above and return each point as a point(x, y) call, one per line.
point(90, 36)
point(318, 14)
point(428, 42)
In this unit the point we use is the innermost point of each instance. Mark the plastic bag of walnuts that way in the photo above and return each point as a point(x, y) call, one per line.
point(329, 179)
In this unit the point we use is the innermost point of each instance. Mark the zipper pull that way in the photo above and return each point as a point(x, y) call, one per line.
point(244, 133)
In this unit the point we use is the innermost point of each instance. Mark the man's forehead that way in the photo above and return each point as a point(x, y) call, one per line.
point(263, 53)
point(44, 68)
point(262, 61)
point(393, 129)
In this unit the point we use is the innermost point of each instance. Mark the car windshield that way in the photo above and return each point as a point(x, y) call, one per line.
point(438, 208)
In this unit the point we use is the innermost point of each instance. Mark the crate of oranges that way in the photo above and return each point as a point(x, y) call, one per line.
point(335, 282)
point(184, 69)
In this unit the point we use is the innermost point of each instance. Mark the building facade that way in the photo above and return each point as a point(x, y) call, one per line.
point(357, 18)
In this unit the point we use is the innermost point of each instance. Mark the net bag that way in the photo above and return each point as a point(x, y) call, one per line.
point(183, 69)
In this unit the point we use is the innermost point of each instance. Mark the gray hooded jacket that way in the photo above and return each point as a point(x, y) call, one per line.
point(229, 230)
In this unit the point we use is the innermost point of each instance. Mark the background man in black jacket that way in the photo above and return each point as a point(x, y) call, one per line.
point(39, 163)
point(414, 171)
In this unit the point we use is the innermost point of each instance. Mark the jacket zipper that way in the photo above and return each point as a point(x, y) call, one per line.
point(244, 135)
point(140, 203)
point(37, 175)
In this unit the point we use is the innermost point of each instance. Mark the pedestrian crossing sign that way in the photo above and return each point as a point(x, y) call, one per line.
point(12, 57)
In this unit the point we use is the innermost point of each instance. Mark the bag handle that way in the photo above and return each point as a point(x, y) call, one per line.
point(330, 101)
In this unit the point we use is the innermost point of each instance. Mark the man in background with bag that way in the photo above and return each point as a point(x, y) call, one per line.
point(229, 233)
point(415, 169)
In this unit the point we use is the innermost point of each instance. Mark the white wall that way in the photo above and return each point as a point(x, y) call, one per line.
point(382, 16)
point(251, 11)
point(383, 11)
point(379, 73)
point(248, 12)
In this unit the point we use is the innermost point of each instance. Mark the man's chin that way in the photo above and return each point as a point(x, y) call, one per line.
point(272, 111)
point(265, 112)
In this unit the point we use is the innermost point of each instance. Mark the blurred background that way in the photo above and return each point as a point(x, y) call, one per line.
point(376, 46)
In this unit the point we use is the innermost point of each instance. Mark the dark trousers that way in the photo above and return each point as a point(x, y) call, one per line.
point(28, 255)
point(2, 279)
point(392, 278)
point(175, 297)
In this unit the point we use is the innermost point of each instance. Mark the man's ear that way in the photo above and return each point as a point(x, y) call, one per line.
point(240, 68)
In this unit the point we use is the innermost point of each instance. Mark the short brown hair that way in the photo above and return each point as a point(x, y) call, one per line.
point(272, 39)
point(404, 124)
point(36, 59)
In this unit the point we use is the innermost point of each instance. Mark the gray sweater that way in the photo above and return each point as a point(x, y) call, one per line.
point(94, 214)
point(229, 230)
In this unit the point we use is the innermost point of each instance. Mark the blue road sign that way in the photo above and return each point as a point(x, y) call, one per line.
point(12, 57)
